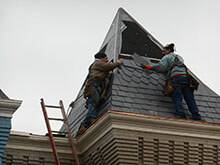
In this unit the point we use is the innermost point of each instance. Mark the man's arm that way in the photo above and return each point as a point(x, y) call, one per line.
point(160, 66)
point(110, 66)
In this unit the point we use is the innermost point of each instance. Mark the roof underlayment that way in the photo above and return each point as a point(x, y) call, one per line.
point(133, 89)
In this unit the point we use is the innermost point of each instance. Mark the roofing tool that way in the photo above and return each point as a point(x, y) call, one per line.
point(140, 60)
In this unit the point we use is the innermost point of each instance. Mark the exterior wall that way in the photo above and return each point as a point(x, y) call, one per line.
point(23, 157)
point(104, 152)
point(122, 147)
point(26, 149)
point(5, 126)
point(7, 108)
point(155, 148)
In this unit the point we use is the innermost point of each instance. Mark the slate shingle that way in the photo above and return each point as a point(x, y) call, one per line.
point(211, 104)
point(127, 105)
point(129, 99)
point(212, 99)
point(217, 105)
point(118, 98)
point(114, 92)
point(137, 80)
point(153, 82)
point(155, 76)
point(202, 103)
point(132, 89)
point(139, 95)
point(136, 74)
point(144, 80)
point(124, 76)
point(127, 72)
point(117, 103)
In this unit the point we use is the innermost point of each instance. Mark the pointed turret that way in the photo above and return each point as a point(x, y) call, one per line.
point(132, 89)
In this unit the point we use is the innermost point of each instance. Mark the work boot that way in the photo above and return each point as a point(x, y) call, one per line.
point(196, 118)
point(81, 130)
point(180, 117)
point(92, 120)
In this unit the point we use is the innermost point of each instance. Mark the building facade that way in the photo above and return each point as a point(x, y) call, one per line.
point(7, 108)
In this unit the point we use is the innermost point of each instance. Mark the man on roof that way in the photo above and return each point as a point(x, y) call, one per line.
point(95, 87)
point(173, 66)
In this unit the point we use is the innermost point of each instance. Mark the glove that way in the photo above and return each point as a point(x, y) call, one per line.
point(120, 61)
point(145, 66)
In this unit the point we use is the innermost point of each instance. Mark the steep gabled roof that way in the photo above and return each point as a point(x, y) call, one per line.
point(133, 89)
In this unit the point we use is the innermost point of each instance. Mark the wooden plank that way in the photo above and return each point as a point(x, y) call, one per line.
point(129, 55)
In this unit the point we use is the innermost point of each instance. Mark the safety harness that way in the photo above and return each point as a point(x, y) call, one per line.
point(192, 82)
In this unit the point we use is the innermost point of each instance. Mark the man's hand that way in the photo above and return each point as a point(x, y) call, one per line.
point(120, 61)
point(145, 66)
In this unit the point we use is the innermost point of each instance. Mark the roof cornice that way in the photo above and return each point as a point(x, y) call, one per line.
point(8, 107)
point(30, 142)
point(146, 123)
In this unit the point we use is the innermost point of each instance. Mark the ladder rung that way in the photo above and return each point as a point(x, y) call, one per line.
point(50, 118)
point(52, 106)
point(59, 132)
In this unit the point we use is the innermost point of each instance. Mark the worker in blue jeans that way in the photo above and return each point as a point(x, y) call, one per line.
point(173, 66)
point(93, 104)
point(188, 95)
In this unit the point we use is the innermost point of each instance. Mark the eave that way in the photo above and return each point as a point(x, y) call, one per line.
point(31, 142)
point(8, 107)
point(113, 119)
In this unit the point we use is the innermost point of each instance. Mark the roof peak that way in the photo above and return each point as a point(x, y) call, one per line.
point(127, 36)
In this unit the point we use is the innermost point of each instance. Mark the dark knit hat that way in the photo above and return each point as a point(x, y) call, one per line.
point(170, 47)
point(100, 55)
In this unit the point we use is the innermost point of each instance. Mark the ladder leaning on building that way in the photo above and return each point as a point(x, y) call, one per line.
point(50, 132)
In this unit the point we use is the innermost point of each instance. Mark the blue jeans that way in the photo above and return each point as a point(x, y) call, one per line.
point(92, 105)
point(180, 86)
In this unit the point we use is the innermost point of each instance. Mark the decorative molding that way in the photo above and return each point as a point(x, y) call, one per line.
point(29, 142)
point(146, 123)
point(8, 107)
point(118, 121)
point(26, 148)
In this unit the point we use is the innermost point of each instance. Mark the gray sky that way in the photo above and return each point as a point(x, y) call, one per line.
point(46, 46)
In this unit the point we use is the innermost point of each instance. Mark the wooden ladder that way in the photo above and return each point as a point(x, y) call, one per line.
point(50, 132)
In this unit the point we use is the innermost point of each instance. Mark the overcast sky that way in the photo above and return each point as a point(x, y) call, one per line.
point(46, 46)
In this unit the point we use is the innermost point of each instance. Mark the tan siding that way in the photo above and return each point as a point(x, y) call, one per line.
point(151, 148)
